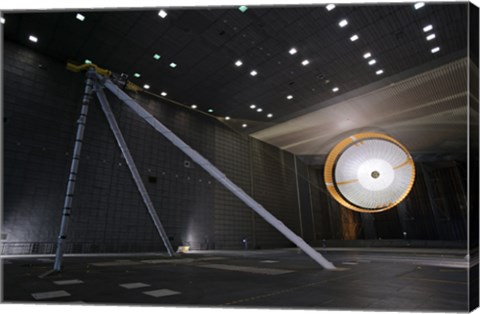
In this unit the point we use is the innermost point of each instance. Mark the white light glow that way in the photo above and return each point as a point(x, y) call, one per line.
point(292, 51)
point(210, 110)
point(379, 72)
point(252, 106)
point(431, 36)
point(335, 89)
point(270, 115)
point(88, 61)
point(330, 7)
point(343, 23)
point(194, 106)
point(162, 14)
point(244, 125)
point(289, 97)
point(146, 86)
point(354, 37)
point(367, 55)
point(259, 109)
point(238, 63)
point(305, 62)
point(372, 62)
point(227, 118)
point(80, 17)
point(32, 38)
point(253, 73)
point(419, 5)
point(173, 65)
point(163, 94)
point(2, 20)
point(435, 50)
point(428, 28)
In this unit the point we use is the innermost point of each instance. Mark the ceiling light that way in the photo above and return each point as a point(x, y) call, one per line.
point(431, 36)
point(156, 56)
point(2, 20)
point(137, 75)
point(163, 94)
point(252, 106)
point(259, 109)
point(210, 110)
point(162, 14)
point(146, 86)
point(343, 23)
point(88, 61)
point(292, 51)
point(238, 63)
point(173, 65)
point(243, 8)
point(269, 115)
point(244, 125)
point(367, 55)
point(33, 38)
point(354, 37)
point(379, 72)
point(335, 89)
point(227, 118)
point(428, 28)
point(80, 17)
point(289, 97)
point(436, 49)
point(372, 62)
point(253, 73)
point(419, 5)
point(194, 106)
point(330, 7)
point(305, 62)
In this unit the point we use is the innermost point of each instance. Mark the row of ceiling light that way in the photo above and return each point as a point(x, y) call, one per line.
point(427, 29)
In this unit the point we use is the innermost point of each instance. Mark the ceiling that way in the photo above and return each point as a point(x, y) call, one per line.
point(205, 43)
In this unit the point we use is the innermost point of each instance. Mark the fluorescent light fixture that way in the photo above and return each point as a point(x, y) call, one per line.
point(428, 28)
point(259, 109)
point(162, 14)
point(253, 73)
point(80, 17)
point(269, 115)
point(431, 36)
point(330, 7)
point(173, 65)
point(419, 5)
point(305, 62)
point(156, 56)
point(289, 97)
point(2, 20)
point(367, 55)
point(163, 94)
point(292, 51)
point(137, 75)
point(32, 38)
point(354, 37)
point(238, 63)
point(435, 50)
point(379, 72)
point(372, 62)
point(244, 125)
point(252, 106)
point(194, 106)
point(343, 23)
point(146, 86)
point(210, 110)
point(335, 89)
point(243, 8)
point(227, 118)
point(88, 61)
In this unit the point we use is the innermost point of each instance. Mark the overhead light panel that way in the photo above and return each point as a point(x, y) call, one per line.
point(33, 38)
point(343, 23)
point(354, 37)
point(269, 115)
point(146, 86)
point(162, 14)
point(238, 63)
point(372, 62)
point(244, 125)
point(419, 5)
point(80, 17)
point(243, 8)
point(289, 97)
point(227, 118)
point(194, 106)
point(156, 56)
point(253, 73)
point(210, 110)
point(163, 94)
point(435, 50)
point(259, 109)
point(330, 7)
point(431, 36)
point(2, 20)
point(88, 61)
point(173, 65)
point(428, 28)
point(367, 55)
point(379, 72)
point(252, 106)
point(137, 75)
point(335, 89)
point(292, 51)
point(305, 62)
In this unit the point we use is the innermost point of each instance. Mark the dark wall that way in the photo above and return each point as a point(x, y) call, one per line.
point(41, 105)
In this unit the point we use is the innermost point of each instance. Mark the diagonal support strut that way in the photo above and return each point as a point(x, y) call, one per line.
point(214, 172)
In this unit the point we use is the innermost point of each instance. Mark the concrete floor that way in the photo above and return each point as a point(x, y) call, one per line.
point(372, 279)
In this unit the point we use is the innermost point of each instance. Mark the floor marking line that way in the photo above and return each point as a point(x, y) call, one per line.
point(67, 282)
point(134, 285)
point(437, 280)
point(50, 294)
point(248, 269)
point(161, 293)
